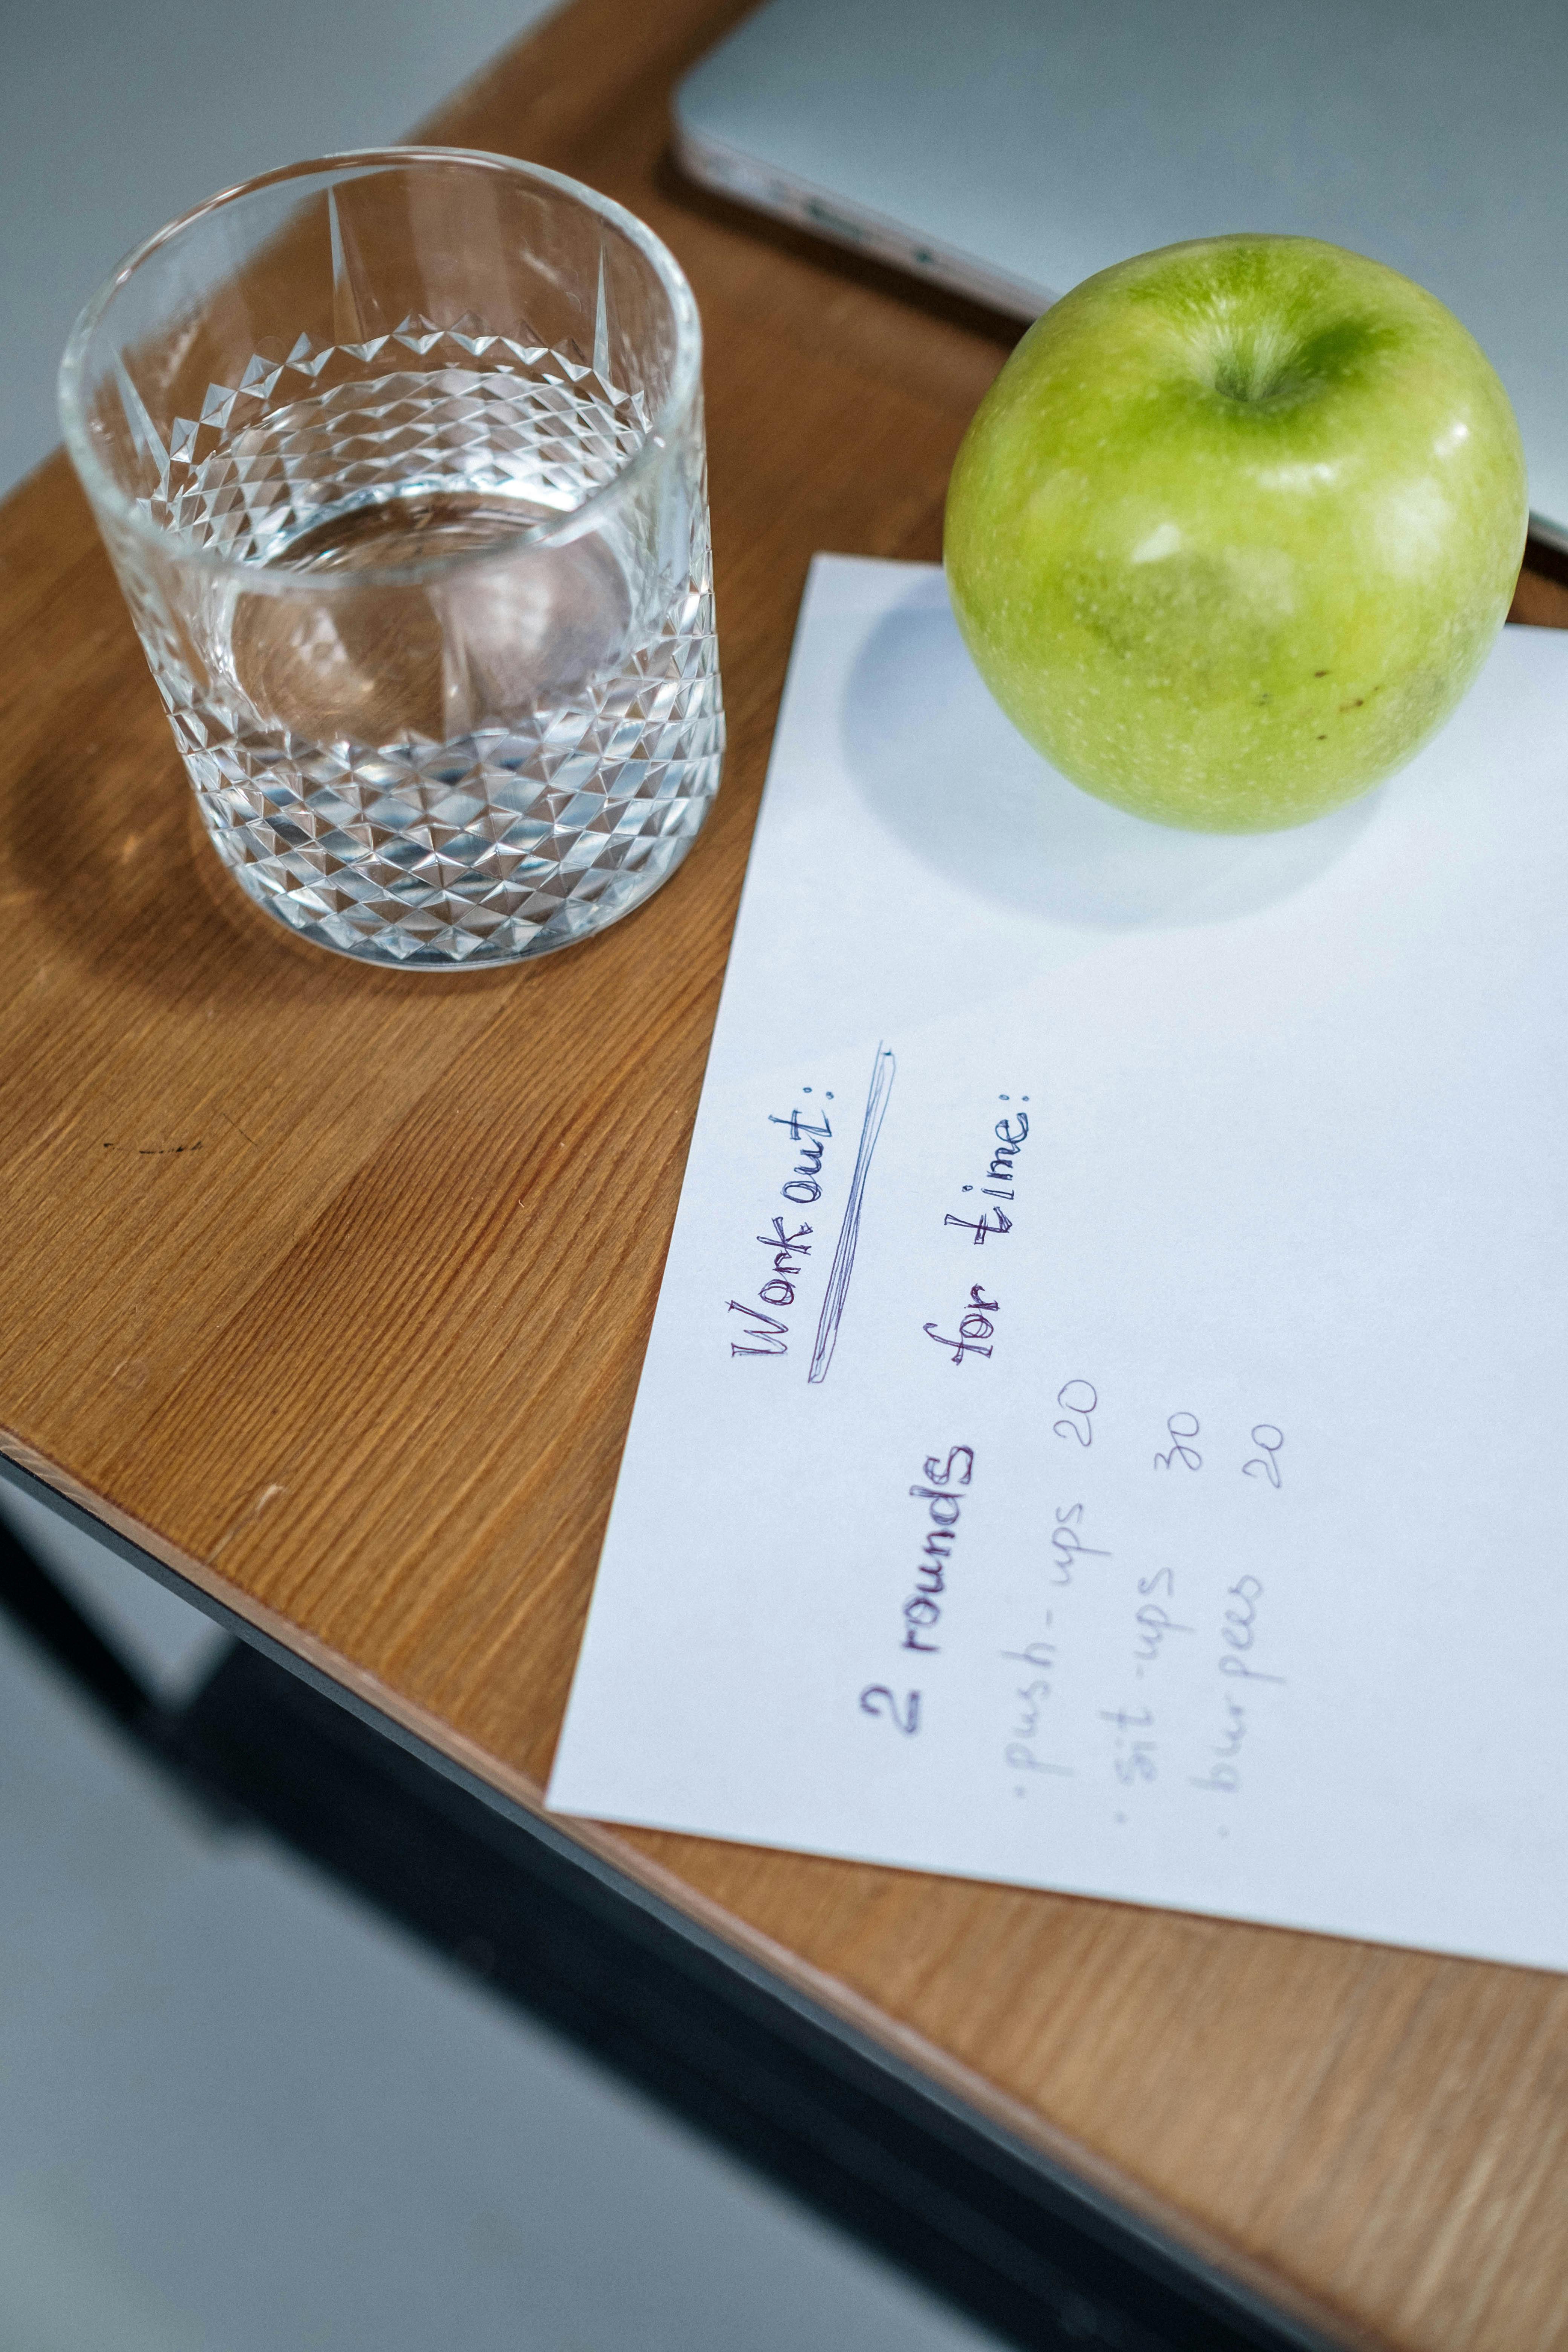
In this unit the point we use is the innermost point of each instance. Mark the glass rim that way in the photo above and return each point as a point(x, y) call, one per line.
point(105, 493)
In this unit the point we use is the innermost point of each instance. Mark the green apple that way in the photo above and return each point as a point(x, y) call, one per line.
point(1233, 531)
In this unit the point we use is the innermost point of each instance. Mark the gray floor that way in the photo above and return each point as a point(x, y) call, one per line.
point(115, 115)
point(241, 2115)
point(236, 2113)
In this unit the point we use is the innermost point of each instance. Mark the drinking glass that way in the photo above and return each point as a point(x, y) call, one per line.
point(399, 458)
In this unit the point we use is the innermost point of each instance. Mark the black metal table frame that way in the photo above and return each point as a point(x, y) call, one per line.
point(987, 2222)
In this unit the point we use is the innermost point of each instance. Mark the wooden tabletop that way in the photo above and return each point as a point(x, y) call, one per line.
point(330, 1286)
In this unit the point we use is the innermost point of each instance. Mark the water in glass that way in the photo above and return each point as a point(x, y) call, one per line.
point(471, 749)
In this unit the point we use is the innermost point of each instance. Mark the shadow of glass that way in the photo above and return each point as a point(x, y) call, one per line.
point(944, 770)
point(118, 875)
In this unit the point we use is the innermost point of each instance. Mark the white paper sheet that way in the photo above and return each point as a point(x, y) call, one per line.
point(1104, 1426)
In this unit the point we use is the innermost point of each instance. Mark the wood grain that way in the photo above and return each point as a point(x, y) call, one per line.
point(330, 1286)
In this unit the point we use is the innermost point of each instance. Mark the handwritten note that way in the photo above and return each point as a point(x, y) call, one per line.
point(1106, 1420)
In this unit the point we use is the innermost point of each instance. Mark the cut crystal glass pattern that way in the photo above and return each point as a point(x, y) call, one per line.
point(503, 840)
point(307, 433)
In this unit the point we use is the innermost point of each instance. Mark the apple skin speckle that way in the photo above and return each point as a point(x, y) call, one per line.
point(1221, 496)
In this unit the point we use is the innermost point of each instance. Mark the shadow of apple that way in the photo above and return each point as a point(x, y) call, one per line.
point(942, 768)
